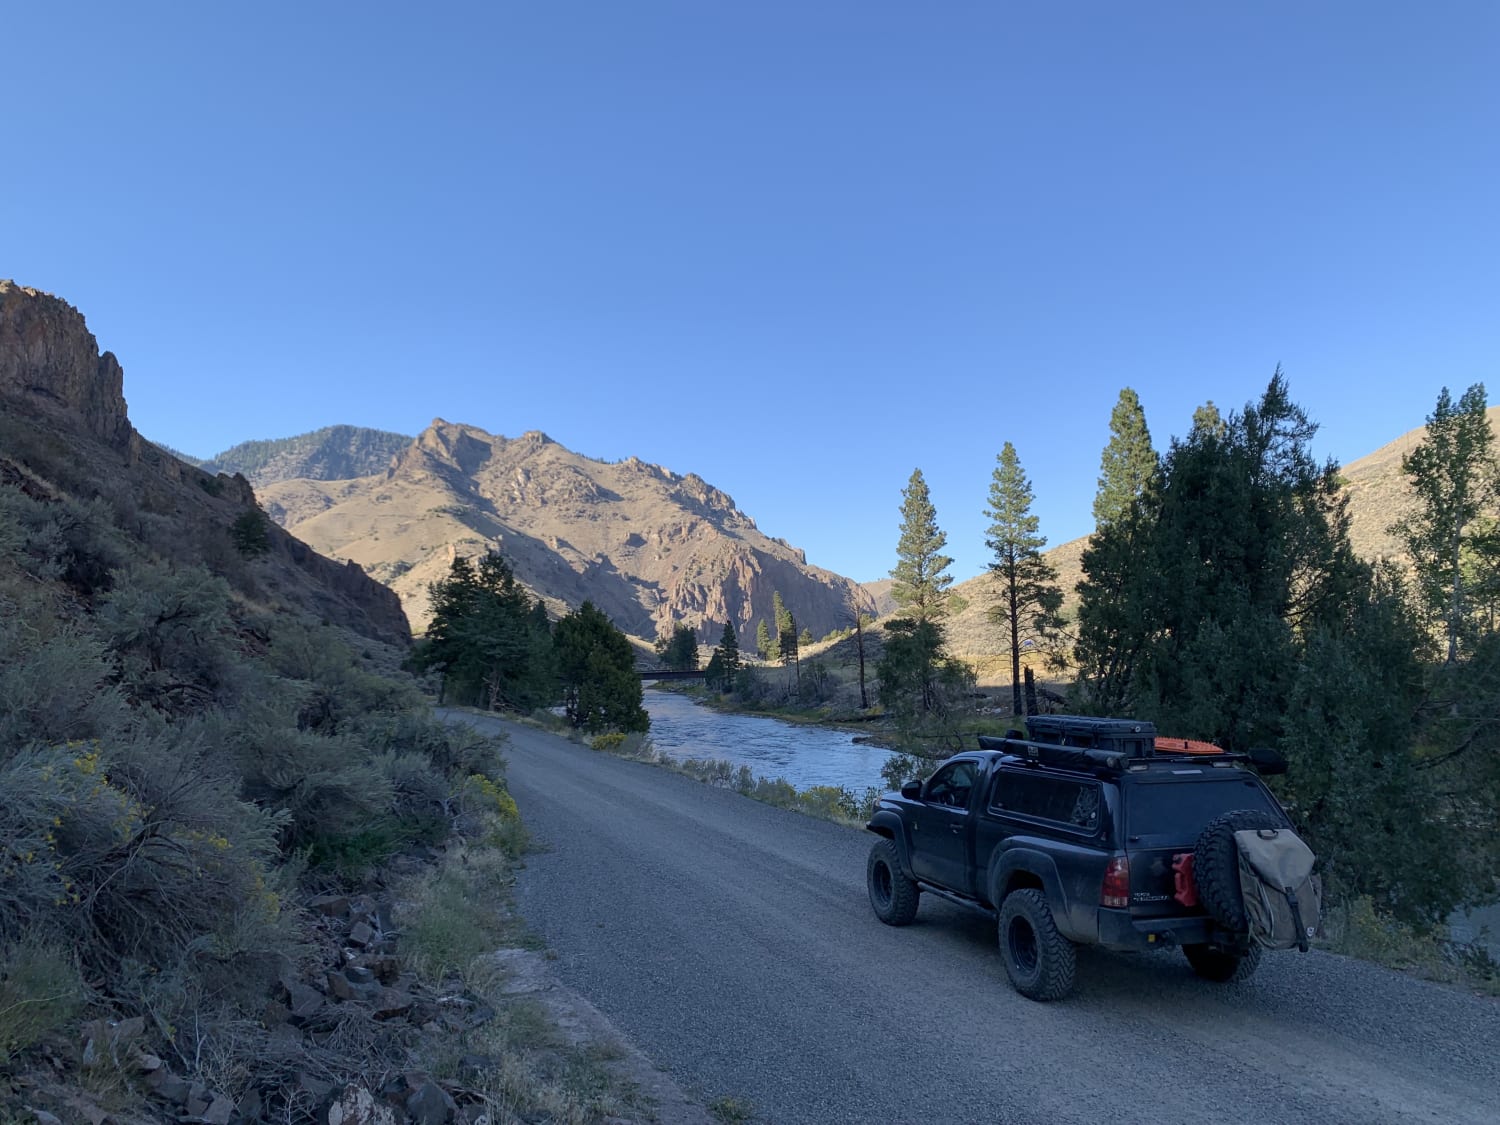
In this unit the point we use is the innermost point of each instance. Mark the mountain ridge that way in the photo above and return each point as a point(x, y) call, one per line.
point(649, 546)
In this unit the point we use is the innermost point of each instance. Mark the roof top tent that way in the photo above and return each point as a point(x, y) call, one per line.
point(1130, 737)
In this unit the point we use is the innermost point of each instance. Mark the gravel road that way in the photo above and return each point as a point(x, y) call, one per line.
point(734, 944)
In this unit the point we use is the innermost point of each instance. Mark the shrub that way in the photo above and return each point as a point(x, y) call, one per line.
point(41, 992)
point(609, 741)
point(54, 689)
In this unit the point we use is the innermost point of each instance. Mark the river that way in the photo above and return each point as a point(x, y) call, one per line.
point(803, 755)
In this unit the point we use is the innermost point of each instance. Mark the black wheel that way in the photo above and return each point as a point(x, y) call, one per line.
point(1038, 959)
point(1224, 966)
point(1216, 866)
point(892, 894)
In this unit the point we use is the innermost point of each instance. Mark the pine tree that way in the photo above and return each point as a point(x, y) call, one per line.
point(1453, 473)
point(921, 573)
point(1128, 463)
point(763, 640)
point(785, 644)
point(1029, 595)
point(600, 687)
point(728, 656)
point(679, 651)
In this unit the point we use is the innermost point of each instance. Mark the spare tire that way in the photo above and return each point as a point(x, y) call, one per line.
point(1216, 865)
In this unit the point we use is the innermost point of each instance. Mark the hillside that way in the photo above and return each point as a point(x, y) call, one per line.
point(65, 416)
point(202, 729)
point(332, 453)
point(648, 546)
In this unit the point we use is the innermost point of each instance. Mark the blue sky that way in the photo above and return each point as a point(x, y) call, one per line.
point(797, 248)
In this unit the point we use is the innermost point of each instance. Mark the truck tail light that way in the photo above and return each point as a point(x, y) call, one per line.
point(1116, 889)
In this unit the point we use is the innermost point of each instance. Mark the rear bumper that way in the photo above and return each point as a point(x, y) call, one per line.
point(1118, 929)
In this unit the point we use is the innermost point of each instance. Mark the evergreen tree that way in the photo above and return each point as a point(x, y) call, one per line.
point(489, 640)
point(763, 639)
point(804, 638)
point(1027, 610)
point(679, 651)
point(728, 656)
point(600, 687)
point(913, 671)
point(1128, 463)
point(921, 573)
point(1453, 475)
point(1238, 553)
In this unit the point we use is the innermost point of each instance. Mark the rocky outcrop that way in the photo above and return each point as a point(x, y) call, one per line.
point(48, 356)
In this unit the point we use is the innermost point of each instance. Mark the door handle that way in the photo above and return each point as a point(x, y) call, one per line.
point(955, 828)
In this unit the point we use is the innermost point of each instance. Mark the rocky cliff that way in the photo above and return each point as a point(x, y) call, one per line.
point(63, 407)
point(647, 545)
point(49, 359)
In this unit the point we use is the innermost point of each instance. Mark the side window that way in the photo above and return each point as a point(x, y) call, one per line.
point(1058, 799)
point(952, 785)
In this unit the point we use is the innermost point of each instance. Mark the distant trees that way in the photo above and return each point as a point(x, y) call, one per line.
point(724, 665)
point(679, 649)
point(787, 642)
point(763, 639)
point(494, 648)
point(1029, 597)
point(1453, 474)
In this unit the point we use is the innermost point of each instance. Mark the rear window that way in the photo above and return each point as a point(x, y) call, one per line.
point(1060, 800)
point(1180, 809)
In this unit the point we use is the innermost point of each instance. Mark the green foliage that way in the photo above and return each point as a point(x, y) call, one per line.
point(489, 640)
point(679, 650)
point(250, 534)
point(1453, 474)
point(1226, 604)
point(170, 633)
point(1029, 597)
point(41, 993)
point(600, 687)
point(904, 766)
point(1128, 463)
point(918, 683)
point(332, 453)
point(763, 640)
point(724, 667)
point(921, 574)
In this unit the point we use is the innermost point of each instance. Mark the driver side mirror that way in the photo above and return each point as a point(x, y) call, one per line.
point(912, 791)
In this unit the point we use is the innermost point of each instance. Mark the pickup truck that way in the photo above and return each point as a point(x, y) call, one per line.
point(1090, 832)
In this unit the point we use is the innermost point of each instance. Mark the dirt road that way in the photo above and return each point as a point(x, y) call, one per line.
point(734, 943)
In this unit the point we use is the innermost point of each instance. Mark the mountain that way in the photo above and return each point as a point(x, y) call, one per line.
point(64, 432)
point(332, 453)
point(646, 545)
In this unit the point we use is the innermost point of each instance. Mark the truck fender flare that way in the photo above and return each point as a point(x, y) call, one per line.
point(1008, 861)
point(889, 824)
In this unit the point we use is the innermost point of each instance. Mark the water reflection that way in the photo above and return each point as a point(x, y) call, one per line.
point(803, 755)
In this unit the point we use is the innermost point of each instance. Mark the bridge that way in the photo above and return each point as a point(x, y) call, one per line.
point(670, 674)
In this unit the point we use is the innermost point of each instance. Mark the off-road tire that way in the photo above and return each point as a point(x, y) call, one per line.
point(1223, 966)
point(1216, 866)
point(1038, 959)
point(893, 896)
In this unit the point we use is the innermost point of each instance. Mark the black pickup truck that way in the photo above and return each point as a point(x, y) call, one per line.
point(1089, 832)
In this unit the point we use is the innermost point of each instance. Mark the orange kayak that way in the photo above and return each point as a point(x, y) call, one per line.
point(1185, 746)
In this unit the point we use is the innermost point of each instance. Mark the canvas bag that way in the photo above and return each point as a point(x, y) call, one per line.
point(1283, 898)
